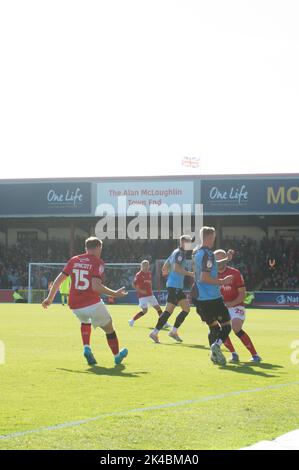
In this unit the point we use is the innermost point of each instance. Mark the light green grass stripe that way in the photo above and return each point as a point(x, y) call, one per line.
point(71, 424)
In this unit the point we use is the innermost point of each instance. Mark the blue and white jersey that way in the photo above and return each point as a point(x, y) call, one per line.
point(176, 280)
point(205, 261)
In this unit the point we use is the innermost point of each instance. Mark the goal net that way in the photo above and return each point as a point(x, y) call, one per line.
point(41, 275)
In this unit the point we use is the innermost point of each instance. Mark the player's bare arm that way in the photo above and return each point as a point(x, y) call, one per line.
point(238, 300)
point(165, 269)
point(208, 279)
point(178, 269)
point(54, 289)
point(98, 287)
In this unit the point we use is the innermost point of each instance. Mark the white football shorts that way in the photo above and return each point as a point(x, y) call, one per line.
point(149, 300)
point(237, 312)
point(96, 314)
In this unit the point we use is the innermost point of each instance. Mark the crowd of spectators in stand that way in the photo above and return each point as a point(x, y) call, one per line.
point(14, 259)
point(269, 264)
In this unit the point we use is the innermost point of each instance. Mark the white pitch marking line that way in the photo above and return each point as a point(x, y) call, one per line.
point(71, 424)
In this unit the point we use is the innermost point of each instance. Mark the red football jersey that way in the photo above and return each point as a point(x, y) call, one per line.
point(230, 292)
point(143, 281)
point(82, 269)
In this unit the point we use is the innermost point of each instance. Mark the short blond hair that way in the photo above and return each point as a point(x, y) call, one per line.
point(92, 242)
point(185, 238)
point(145, 261)
point(205, 232)
point(220, 255)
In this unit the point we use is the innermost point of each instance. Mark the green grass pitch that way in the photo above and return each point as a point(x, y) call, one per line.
point(45, 381)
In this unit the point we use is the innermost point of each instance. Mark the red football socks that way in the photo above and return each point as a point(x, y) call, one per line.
point(247, 342)
point(85, 333)
point(229, 345)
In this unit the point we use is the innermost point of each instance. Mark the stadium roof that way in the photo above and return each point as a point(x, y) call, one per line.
point(149, 177)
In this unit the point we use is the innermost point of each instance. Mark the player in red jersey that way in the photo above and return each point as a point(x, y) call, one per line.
point(234, 295)
point(86, 271)
point(143, 285)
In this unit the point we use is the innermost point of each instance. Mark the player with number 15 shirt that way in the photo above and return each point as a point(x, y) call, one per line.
point(86, 272)
point(82, 269)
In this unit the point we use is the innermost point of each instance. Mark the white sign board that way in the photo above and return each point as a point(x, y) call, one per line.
point(121, 195)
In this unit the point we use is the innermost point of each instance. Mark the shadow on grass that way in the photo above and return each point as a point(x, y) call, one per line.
point(117, 371)
point(185, 345)
point(164, 330)
point(252, 368)
point(264, 365)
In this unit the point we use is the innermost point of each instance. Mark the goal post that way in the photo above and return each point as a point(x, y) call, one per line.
point(118, 275)
point(40, 275)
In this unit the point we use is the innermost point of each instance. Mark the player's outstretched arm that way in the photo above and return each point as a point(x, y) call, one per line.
point(54, 289)
point(98, 287)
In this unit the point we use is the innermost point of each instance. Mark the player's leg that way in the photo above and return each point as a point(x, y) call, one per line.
point(217, 311)
point(206, 314)
point(101, 319)
point(237, 326)
point(113, 344)
point(196, 304)
point(85, 334)
point(143, 306)
point(222, 335)
point(155, 304)
point(213, 334)
point(214, 329)
point(163, 318)
point(229, 345)
point(85, 328)
point(185, 309)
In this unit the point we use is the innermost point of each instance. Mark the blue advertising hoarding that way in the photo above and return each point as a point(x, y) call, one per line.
point(279, 300)
point(276, 299)
point(48, 199)
point(219, 195)
point(256, 196)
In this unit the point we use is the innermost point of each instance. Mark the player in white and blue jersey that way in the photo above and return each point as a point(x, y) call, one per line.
point(207, 295)
point(175, 267)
